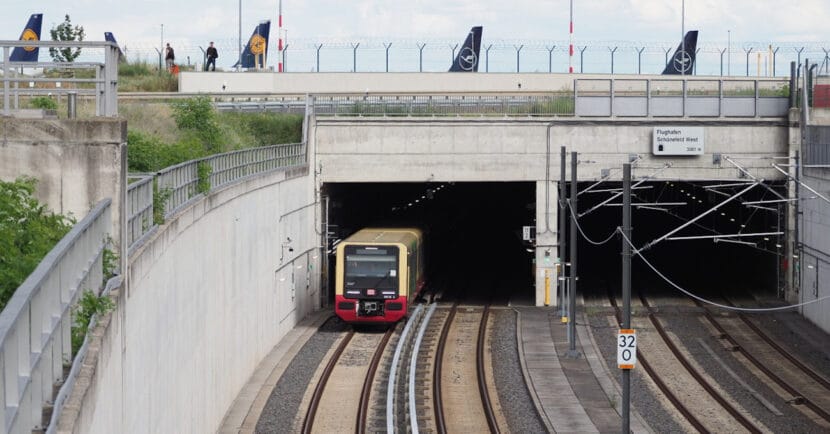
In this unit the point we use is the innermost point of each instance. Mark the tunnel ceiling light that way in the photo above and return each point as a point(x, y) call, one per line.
point(731, 220)
point(766, 238)
point(778, 245)
point(723, 214)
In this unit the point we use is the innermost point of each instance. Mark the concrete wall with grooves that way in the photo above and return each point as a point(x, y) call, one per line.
point(208, 297)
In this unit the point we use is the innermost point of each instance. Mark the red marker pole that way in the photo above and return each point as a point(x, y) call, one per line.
point(279, 45)
point(571, 41)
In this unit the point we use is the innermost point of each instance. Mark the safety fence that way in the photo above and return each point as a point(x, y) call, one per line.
point(97, 78)
point(36, 324)
point(589, 98)
point(154, 197)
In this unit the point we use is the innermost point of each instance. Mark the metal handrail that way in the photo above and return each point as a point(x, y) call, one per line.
point(35, 325)
point(105, 81)
point(179, 185)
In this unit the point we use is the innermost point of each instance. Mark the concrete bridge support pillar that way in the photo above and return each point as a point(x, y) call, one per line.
point(547, 216)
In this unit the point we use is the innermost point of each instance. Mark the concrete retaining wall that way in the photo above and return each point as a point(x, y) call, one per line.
point(77, 162)
point(209, 296)
point(815, 259)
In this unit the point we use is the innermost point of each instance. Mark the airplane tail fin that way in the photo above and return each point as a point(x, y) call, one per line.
point(30, 33)
point(256, 52)
point(108, 36)
point(467, 58)
point(683, 62)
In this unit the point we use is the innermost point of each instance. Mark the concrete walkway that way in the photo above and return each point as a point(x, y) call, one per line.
point(244, 413)
point(567, 391)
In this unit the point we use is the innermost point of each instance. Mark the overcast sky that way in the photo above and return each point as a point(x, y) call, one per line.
point(599, 24)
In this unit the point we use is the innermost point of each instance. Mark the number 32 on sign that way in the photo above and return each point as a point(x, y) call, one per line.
point(627, 349)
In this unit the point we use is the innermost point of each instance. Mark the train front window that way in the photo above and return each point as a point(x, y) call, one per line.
point(371, 271)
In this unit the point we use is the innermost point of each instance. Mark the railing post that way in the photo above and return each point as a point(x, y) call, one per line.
point(71, 109)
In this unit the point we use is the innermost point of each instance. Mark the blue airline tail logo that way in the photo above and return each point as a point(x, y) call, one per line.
point(683, 61)
point(467, 59)
point(256, 51)
point(30, 33)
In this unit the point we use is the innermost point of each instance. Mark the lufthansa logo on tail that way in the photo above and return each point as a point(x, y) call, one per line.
point(682, 61)
point(29, 35)
point(467, 59)
point(257, 44)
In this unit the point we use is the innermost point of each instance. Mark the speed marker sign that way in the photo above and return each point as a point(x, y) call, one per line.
point(627, 349)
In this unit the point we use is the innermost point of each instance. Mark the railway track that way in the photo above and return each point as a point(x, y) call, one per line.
point(803, 385)
point(689, 382)
point(342, 395)
point(714, 393)
point(453, 358)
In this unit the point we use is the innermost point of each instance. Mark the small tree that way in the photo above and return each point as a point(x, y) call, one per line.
point(65, 31)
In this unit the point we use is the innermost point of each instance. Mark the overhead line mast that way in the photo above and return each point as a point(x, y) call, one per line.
point(279, 44)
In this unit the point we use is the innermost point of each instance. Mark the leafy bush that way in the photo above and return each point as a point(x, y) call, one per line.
point(196, 116)
point(146, 153)
point(88, 305)
point(28, 231)
point(203, 171)
point(44, 102)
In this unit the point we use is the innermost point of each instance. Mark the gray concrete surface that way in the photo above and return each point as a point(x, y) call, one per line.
point(77, 162)
point(210, 294)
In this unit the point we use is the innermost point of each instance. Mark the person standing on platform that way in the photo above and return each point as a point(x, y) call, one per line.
point(211, 54)
point(169, 57)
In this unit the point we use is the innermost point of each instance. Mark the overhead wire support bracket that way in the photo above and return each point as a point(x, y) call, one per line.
point(651, 244)
point(633, 159)
point(801, 183)
point(725, 236)
point(746, 172)
point(646, 178)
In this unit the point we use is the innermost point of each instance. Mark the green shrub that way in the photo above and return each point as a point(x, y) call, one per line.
point(203, 171)
point(88, 305)
point(160, 198)
point(44, 102)
point(197, 116)
point(147, 153)
point(28, 231)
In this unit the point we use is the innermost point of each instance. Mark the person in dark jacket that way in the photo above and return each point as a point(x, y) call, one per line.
point(169, 57)
point(211, 54)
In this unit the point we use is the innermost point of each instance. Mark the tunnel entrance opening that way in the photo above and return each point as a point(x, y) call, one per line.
point(472, 232)
point(718, 258)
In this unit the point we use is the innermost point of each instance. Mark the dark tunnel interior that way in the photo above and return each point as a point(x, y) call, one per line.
point(475, 251)
point(472, 231)
point(706, 267)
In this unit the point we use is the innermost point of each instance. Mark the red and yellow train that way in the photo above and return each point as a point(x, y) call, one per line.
point(379, 272)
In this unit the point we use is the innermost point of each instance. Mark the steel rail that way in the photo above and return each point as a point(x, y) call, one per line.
point(363, 407)
point(641, 359)
point(480, 371)
point(438, 403)
point(746, 423)
point(308, 422)
point(763, 367)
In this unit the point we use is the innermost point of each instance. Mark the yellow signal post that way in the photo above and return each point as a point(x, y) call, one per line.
point(547, 287)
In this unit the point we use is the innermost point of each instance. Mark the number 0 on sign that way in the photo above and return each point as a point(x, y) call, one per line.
point(627, 349)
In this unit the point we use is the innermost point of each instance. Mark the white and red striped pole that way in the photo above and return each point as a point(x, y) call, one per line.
point(279, 45)
point(571, 41)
